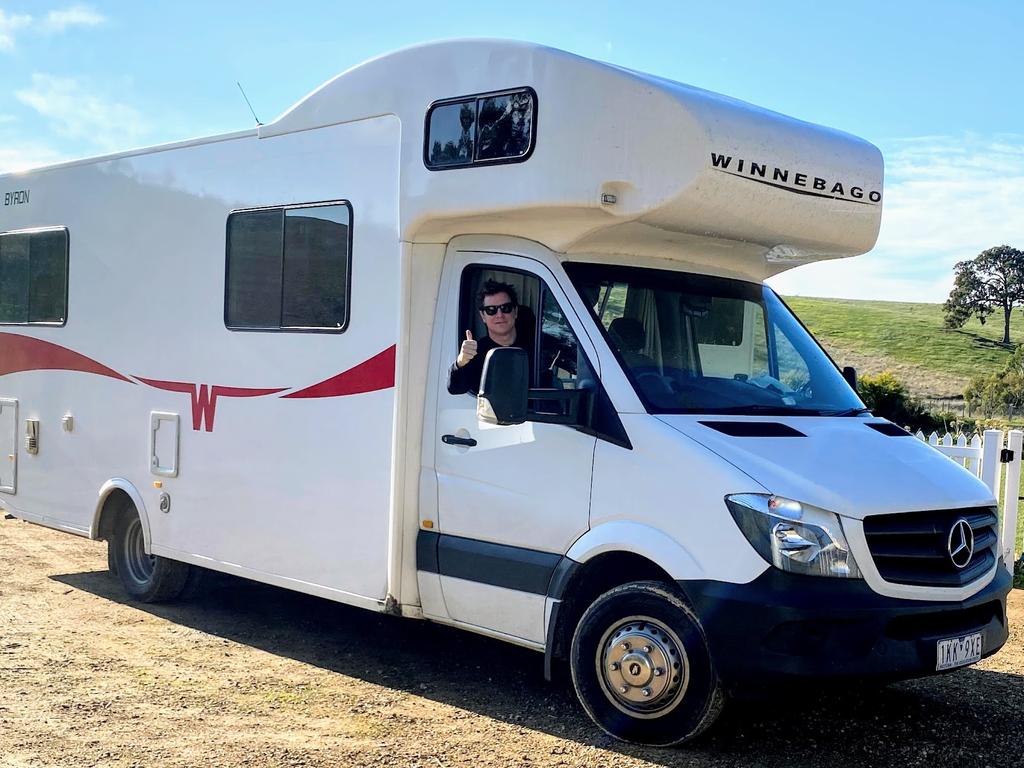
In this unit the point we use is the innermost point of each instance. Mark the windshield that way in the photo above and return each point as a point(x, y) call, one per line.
point(699, 344)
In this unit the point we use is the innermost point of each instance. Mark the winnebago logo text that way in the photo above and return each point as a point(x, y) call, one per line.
point(790, 181)
point(18, 197)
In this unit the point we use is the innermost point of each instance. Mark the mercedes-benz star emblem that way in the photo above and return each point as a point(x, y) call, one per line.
point(961, 543)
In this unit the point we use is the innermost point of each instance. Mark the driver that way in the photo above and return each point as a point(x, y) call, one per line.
point(499, 308)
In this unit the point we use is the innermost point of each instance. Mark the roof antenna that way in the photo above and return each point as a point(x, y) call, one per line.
point(247, 102)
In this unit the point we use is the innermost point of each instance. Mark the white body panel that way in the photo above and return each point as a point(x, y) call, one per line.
point(842, 467)
point(146, 300)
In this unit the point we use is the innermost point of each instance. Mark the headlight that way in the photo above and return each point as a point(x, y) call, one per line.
point(794, 537)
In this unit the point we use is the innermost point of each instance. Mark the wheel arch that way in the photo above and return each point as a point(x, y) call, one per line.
point(111, 497)
point(604, 558)
point(638, 539)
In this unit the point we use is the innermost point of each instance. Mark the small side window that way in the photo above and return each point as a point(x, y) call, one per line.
point(481, 130)
point(288, 268)
point(563, 364)
point(34, 277)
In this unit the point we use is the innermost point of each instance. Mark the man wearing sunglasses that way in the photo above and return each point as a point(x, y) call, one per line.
point(499, 309)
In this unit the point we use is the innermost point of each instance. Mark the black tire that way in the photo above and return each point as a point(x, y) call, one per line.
point(146, 578)
point(642, 640)
point(195, 583)
point(111, 560)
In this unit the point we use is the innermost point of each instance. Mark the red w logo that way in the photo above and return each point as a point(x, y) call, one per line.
point(204, 398)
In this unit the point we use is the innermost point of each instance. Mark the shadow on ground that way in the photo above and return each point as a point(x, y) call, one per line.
point(984, 342)
point(970, 717)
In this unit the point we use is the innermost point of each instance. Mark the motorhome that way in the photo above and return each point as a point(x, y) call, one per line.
point(233, 353)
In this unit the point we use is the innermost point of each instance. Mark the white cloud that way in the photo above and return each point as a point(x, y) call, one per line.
point(73, 16)
point(947, 199)
point(54, 22)
point(78, 113)
point(9, 26)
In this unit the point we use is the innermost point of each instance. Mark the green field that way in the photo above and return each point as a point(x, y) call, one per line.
point(910, 333)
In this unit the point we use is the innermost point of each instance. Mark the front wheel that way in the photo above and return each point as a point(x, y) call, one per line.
point(641, 666)
point(147, 578)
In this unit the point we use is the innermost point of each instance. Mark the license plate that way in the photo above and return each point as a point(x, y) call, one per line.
point(958, 651)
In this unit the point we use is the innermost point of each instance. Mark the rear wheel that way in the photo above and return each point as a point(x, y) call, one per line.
point(147, 578)
point(641, 666)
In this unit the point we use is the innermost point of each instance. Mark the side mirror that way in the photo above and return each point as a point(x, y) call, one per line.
point(504, 385)
point(850, 374)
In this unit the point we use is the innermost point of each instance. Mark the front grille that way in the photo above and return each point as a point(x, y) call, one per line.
point(912, 548)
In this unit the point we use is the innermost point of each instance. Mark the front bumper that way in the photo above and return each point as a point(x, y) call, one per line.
point(783, 627)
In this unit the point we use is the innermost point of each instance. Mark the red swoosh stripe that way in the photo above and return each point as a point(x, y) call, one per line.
point(23, 353)
point(376, 373)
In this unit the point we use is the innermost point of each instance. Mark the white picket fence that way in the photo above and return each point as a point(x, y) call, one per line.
point(984, 455)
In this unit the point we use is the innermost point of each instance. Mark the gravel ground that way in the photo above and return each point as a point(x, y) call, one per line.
point(250, 675)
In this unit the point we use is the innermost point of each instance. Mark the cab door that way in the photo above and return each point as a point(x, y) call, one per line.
point(511, 499)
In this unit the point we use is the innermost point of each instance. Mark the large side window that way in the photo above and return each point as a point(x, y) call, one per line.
point(34, 277)
point(288, 268)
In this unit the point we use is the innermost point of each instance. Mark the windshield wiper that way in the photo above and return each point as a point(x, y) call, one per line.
point(847, 412)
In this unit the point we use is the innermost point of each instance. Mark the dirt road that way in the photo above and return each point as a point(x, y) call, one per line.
point(249, 675)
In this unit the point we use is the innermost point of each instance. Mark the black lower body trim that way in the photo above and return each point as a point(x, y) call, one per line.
point(783, 627)
point(499, 565)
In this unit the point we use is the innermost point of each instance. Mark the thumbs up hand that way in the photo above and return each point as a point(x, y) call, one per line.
point(467, 352)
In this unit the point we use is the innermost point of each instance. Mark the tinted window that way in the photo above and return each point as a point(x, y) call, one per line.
point(33, 277)
point(452, 134)
point(489, 128)
point(505, 127)
point(288, 268)
point(255, 253)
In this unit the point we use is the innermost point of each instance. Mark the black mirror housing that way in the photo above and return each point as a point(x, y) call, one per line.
point(850, 374)
point(504, 385)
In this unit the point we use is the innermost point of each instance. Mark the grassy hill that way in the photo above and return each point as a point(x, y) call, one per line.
point(910, 340)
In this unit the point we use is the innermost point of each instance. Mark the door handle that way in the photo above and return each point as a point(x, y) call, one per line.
point(469, 442)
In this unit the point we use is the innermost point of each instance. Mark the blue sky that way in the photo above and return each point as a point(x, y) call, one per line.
point(936, 85)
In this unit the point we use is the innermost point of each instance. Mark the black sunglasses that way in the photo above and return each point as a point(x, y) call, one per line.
point(506, 309)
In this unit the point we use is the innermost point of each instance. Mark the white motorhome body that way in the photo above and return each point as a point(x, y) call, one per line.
point(233, 353)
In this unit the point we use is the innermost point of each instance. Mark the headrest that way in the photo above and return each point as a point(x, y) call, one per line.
point(628, 332)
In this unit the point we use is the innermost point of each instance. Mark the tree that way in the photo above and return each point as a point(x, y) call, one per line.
point(992, 280)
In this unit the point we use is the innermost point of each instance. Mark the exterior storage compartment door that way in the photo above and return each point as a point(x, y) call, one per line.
point(8, 445)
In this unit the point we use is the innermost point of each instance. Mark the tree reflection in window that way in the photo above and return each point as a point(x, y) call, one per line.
point(482, 129)
point(505, 126)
